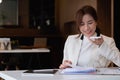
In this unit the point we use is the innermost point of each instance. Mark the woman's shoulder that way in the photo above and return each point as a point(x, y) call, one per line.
point(74, 36)
point(107, 38)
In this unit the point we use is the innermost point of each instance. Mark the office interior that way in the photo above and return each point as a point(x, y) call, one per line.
point(50, 22)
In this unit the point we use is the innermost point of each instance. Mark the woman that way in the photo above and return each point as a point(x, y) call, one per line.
point(82, 50)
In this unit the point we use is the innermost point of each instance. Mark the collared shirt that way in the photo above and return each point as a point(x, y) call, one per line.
point(88, 53)
point(84, 53)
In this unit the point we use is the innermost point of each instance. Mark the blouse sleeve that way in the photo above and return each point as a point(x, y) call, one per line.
point(65, 52)
point(109, 50)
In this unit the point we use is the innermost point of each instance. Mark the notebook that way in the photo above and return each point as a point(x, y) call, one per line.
point(41, 72)
point(79, 70)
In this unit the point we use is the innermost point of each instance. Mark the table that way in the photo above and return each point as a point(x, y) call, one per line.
point(17, 75)
point(27, 56)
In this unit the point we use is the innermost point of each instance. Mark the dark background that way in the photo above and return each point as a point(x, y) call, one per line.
point(117, 22)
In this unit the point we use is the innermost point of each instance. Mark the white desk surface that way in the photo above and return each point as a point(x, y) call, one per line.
point(44, 50)
point(17, 75)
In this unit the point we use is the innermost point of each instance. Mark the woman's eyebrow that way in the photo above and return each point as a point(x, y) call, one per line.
point(90, 20)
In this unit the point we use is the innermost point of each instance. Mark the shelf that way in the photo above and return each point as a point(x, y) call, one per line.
point(21, 32)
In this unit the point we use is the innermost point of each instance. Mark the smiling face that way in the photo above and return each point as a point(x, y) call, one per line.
point(86, 21)
point(88, 25)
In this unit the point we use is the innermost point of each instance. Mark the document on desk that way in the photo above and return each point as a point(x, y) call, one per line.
point(108, 71)
point(91, 71)
point(41, 72)
point(78, 70)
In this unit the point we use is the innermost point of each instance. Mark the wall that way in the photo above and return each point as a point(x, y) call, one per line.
point(104, 16)
point(66, 10)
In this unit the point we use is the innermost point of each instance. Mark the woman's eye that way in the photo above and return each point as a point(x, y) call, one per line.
point(90, 22)
point(81, 24)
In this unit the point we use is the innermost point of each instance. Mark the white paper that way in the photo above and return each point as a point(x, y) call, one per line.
point(108, 71)
point(78, 70)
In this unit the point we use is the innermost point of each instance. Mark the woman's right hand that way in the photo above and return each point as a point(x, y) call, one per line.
point(64, 64)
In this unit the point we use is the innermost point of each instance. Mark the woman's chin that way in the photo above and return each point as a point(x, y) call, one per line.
point(88, 35)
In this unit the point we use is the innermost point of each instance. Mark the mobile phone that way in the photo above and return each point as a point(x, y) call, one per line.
point(93, 37)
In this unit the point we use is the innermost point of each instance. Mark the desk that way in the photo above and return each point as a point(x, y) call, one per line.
point(24, 56)
point(17, 75)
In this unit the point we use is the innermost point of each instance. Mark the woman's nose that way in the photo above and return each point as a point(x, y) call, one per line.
point(86, 27)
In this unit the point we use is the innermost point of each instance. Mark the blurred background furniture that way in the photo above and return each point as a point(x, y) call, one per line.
point(70, 28)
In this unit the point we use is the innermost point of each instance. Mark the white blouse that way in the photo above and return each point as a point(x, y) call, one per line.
point(87, 54)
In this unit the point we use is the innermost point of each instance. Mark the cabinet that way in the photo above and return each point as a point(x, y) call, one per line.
point(42, 16)
point(32, 14)
point(23, 16)
point(41, 13)
point(36, 18)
